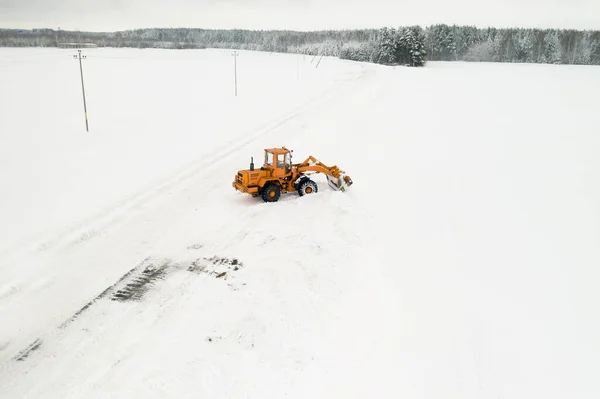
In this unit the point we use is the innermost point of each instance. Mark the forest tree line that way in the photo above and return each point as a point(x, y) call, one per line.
point(411, 45)
point(551, 46)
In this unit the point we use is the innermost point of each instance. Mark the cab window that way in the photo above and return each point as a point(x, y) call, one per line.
point(280, 160)
point(269, 158)
point(288, 160)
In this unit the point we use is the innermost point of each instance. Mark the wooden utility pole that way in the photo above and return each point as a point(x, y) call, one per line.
point(318, 62)
point(79, 56)
point(235, 55)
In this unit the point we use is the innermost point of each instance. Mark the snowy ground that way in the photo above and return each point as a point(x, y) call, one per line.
point(462, 263)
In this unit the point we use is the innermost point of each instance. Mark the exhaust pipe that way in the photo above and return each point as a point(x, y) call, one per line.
point(251, 163)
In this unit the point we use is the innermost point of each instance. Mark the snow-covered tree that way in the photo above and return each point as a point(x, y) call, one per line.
point(481, 52)
point(586, 49)
point(523, 45)
point(552, 47)
point(412, 44)
point(388, 46)
point(464, 37)
point(402, 46)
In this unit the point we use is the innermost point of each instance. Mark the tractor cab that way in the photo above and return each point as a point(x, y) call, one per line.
point(278, 161)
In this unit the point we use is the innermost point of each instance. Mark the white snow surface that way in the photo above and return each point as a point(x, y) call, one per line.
point(462, 263)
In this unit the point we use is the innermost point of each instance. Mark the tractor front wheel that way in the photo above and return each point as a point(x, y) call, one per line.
point(271, 193)
point(307, 187)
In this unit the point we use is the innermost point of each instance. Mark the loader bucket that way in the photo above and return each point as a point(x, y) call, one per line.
point(339, 184)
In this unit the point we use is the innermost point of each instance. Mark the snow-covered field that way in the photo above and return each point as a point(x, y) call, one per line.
point(461, 264)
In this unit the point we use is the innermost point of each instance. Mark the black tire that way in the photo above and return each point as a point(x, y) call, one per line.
point(271, 193)
point(307, 187)
point(299, 182)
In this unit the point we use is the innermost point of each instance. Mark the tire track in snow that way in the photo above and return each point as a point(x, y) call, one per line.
point(108, 312)
point(24, 353)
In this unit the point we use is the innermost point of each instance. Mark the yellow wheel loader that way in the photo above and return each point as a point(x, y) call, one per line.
point(279, 175)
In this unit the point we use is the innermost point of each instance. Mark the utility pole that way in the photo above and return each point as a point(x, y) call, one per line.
point(235, 55)
point(79, 56)
point(319, 61)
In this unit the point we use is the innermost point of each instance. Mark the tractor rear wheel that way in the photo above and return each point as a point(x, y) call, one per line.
point(271, 193)
point(307, 187)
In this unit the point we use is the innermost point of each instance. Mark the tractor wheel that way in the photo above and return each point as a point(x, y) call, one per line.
point(307, 187)
point(271, 193)
point(299, 182)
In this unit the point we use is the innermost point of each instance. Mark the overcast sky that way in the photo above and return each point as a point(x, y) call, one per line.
point(111, 15)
